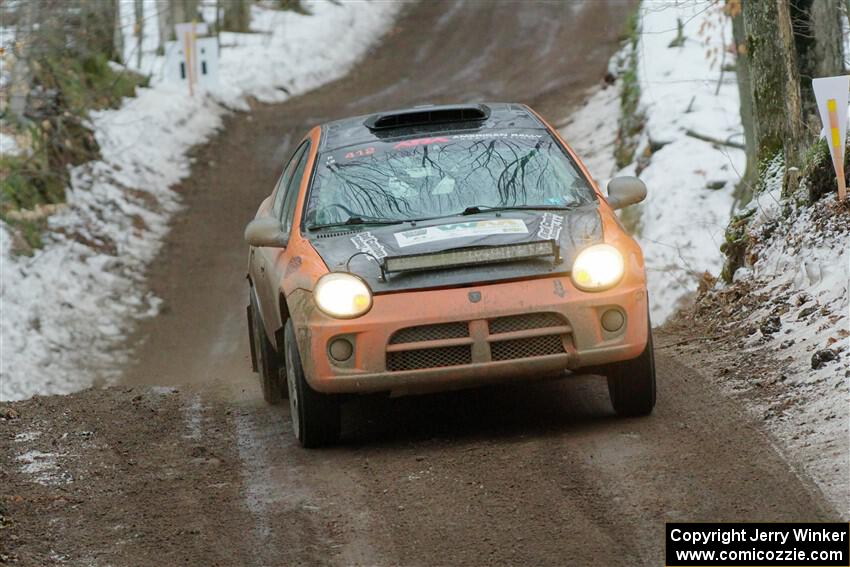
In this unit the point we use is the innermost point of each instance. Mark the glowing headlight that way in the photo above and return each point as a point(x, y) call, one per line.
point(342, 295)
point(598, 267)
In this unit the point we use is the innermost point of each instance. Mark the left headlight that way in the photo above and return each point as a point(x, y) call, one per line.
point(342, 295)
point(597, 268)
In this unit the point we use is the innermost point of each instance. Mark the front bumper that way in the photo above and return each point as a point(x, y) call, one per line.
point(453, 361)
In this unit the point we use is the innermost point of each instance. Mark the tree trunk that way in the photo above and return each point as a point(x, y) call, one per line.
point(175, 12)
point(102, 30)
point(237, 15)
point(218, 22)
point(818, 41)
point(829, 49)
point(185, 11)
point(21, 78)
point(744, 189)
point(165, 27)
point(117, 33)
point(139, 8)
point(294, 5)
point(774, 80)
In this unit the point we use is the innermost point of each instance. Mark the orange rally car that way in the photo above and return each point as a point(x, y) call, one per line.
point(442, 247)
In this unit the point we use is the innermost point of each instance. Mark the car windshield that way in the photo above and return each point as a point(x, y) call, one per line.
point(444, 175)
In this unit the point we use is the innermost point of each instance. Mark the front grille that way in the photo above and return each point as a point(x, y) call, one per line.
point(437, 332)
point(429, 358)
point(527, 348)
point(525, 322)
point(517, 346)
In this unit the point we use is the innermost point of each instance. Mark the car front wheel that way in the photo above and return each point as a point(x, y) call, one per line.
point(631, 383)
point(315, 416)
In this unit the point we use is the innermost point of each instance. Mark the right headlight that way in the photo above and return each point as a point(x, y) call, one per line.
point(597, 268)
point(342, 295)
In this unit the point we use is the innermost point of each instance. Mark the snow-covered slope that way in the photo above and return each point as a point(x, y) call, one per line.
point(785, 321)
point(690, 182)
point(683, 88)
point(64, 310)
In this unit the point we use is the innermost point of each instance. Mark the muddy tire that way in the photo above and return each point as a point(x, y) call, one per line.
point(631, 384)
point(266, 361)
point(315, 416)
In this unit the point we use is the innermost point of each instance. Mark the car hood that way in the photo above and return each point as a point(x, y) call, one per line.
point(356, 250)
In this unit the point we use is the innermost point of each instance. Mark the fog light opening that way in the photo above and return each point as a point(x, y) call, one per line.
point(340, 349)
point(613, 320)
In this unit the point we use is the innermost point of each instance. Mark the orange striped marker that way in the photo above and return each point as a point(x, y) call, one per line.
point(838, 159)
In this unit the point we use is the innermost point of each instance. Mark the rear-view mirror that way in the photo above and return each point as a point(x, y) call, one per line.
point(625, 191)
point(265, 232)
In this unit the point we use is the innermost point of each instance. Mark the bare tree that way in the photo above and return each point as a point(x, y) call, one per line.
point(774, 80)
point(165, 31)
point(829, 47)
point(743, 192)
point(21, 73)
point(99, 30)
point(117, 32)
point(139, 30)
point(175, 12)
point(818, 42)
point(237, 15)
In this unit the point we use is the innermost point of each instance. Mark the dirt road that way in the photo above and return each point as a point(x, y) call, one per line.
point(540, 474)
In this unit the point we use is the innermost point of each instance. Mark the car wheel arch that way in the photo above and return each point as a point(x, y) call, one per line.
point(283, 309)
point(253, 291)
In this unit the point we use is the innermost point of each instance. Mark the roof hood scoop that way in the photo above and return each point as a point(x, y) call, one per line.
point(421, 116)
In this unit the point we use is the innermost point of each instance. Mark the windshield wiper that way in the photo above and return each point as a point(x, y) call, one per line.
point(478, 209)
point(351, 221)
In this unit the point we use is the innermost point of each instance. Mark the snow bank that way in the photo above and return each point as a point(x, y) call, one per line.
point(798, 300)
point(65, 310)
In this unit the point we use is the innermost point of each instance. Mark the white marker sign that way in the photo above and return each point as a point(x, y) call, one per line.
point(831, 94)
point(192, 59)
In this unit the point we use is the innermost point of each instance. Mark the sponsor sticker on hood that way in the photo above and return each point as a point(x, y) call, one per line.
point(460, 230)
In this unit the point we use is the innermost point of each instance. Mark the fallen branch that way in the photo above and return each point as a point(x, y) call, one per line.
point(717, 141)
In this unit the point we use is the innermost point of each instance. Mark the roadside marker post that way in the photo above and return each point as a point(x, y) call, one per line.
point(831, 94)
point(192, 58)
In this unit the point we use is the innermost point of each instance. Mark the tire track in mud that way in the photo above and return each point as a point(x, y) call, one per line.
point(320, 528)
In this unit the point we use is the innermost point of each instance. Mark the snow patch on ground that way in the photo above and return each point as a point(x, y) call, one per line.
point(67, 308)
point(43, 467)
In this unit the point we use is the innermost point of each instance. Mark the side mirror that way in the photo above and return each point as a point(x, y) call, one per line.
point(625, 191)
point(265, 231)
